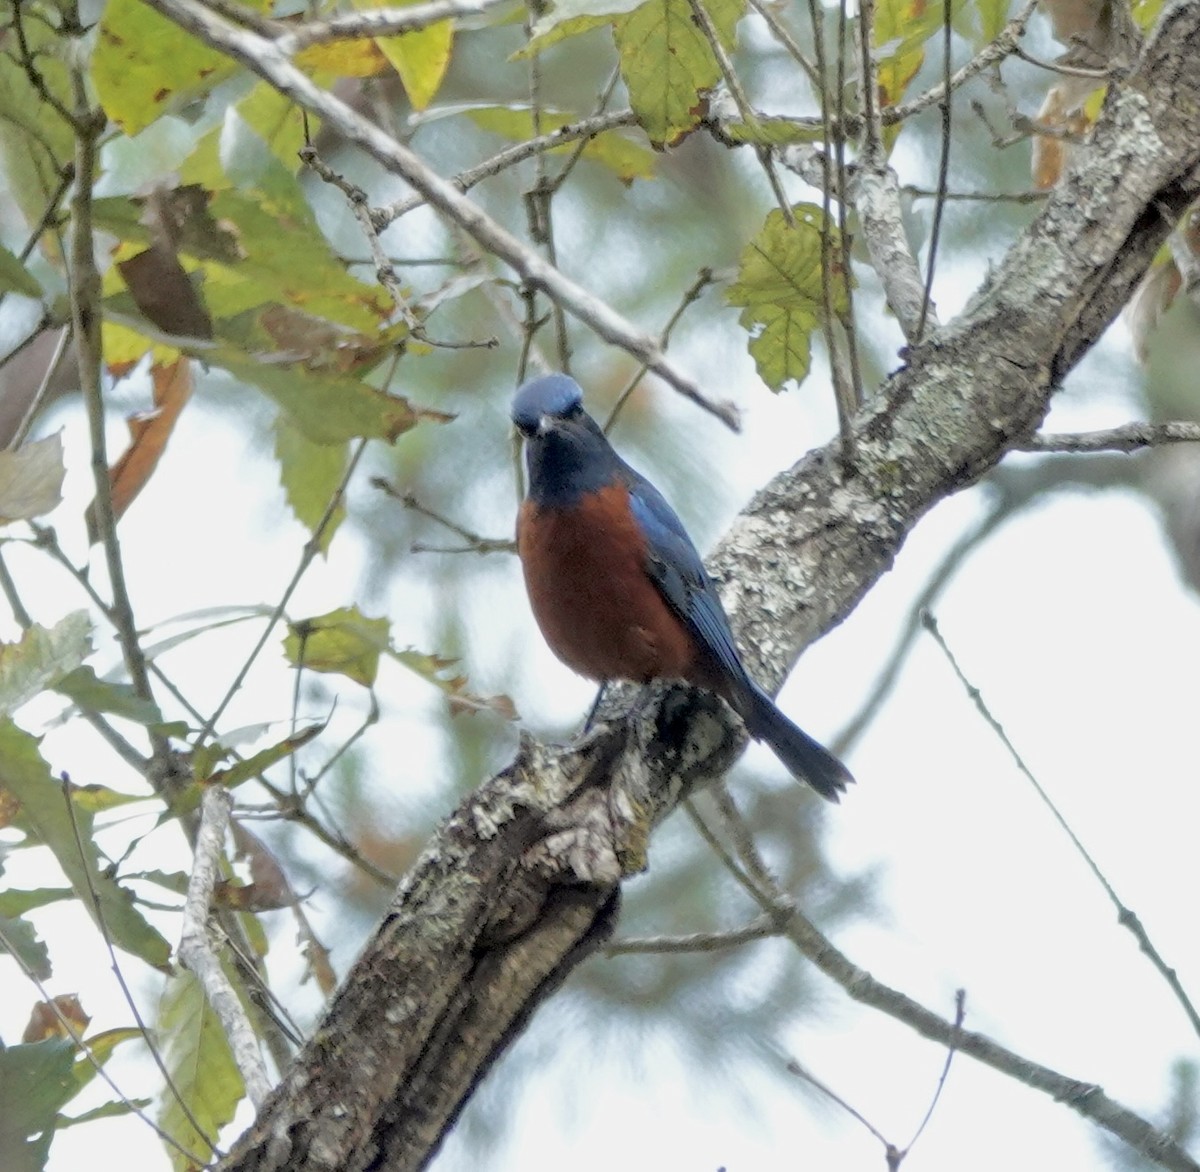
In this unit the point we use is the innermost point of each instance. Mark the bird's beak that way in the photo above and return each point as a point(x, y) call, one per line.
point(545, 424)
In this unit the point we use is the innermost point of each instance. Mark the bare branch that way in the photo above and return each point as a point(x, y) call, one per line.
point(1130, 437)
point(198, 954)
point(1126, 917)
point(378, 22)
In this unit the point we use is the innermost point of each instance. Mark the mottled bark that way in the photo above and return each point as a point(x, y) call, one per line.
point(522, 882)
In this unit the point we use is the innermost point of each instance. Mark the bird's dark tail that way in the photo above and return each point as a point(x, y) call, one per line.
point(805, 759)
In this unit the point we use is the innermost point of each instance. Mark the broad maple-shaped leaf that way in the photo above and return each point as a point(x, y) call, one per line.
point(668, 64)
point(779, 288)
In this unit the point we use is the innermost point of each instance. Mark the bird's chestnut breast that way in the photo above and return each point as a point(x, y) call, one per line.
point(597, 608)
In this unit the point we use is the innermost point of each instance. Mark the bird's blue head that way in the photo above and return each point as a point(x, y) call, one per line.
point(552, 397)
point(566, 452)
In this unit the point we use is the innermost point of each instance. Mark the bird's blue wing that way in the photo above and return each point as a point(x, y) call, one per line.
point(677, 571)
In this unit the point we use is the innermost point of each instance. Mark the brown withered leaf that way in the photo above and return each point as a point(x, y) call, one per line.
point(1059, 112)
point(268, 888)
point(318, 344)
point(45, 1023)
point(1151, 299)
point(10, 807)
point(173, 385)
point(164, 294)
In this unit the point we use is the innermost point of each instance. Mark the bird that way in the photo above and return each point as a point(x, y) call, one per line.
point(616, 585)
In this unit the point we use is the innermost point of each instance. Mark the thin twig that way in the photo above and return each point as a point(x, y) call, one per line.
point(312, 547)
point(582, 131)
point(794, 1067)
point(960, 1010)
point(783, 35)
point(377, 22)
point(43, 390)
point(385, 271)
point(86, 317)
point(1130, 437)
point(761, 928)
point(977, 196)
point(1097, 75)
point(939, 207)
point(475, 543)
point(704, 278)
point(198, 955)
point(1126, 917)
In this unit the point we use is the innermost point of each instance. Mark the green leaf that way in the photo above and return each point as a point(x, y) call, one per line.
point(31, 479)
point(35, 1082)
point(43, 811)
point(41, 658)
point(201, 1067)
point(779, 286)
point(278, 121)
point(668, 64)
point(628, 159)
point(89, 691)
point(436, 670)
point(21, 939)
point(145, 65)
point(325, 408)
point(421, 58)
point(254, 765)
point(36, 142)
point(15, 277)
point(109, 1110)
point(101, 1046)
point(17, 903)
point(901, 29)
point(993, 15)
point(1146, 12)
point(771, 130)
point(310, 474)
point(344, 642)
point(570, 18)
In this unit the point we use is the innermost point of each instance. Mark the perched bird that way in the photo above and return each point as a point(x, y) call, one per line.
point(616, 584)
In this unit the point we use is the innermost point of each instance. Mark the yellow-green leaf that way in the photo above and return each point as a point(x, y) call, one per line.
point(97, 695)
point(310, 474)
point(901, 29)
point(668, 64)
point(779, 287)
point(344, 641)
point(144, 64)
point(421, 58)
point(15, 277)
point(327, 409)
point(358, 58)
point(570, 18)
point(42, 657)
point(263, 760)
point(201, 1067)
point(43, 813)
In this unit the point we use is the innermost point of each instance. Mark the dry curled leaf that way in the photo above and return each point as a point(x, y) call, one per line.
point(173, 385)
point(45, 1023)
